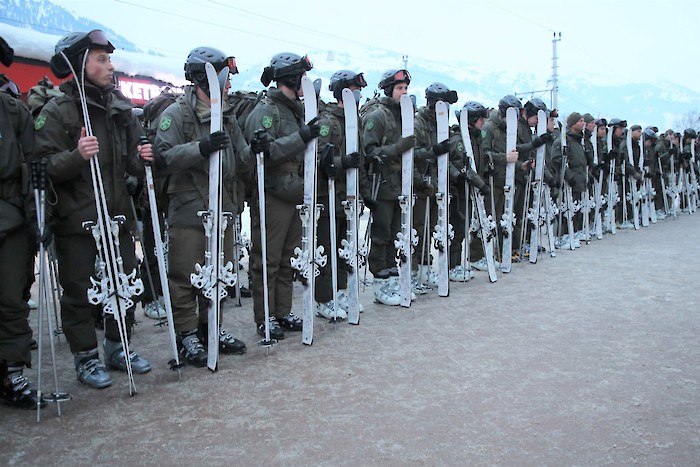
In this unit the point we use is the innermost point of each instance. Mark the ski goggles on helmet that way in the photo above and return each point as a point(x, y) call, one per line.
point(92, 40)
point(229, 62)
point(358, 80)
point(402, 75)
point(297, 68)
point(11, 88)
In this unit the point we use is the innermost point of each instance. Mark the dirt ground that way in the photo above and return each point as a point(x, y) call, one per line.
point(589, 358)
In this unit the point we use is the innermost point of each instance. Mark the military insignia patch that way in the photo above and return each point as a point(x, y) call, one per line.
point(370, 124)
point(165, 123)
point(325, 130)
point(40, 122)
point(483, 133)
point(267, 121)
point(460, 147)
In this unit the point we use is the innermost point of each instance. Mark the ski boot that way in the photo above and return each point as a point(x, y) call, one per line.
point(276, 331)
point(114, 358)
point(90, 370)
point(427, 276)
point(344, 301)
point(16, 390)
point(227, 343)
point(191, 348)
point(326, 310)
point(383, 292)
point(460, 274)
point(154, 310)
point(291, 322)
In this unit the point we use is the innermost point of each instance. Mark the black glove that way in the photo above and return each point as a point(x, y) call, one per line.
point(132, 185)
point(260, 143)
point(442, 147)
point(672, 150)
point(687, 156)
point(216, 141)
point(541, 140)
point(374, 165)
point(310, 131)
point(485, 190)
point(351, 161)
point(327, 163)
point(637, 176)
point(370, 203)
point(404, 144)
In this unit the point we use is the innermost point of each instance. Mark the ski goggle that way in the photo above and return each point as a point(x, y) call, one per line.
point(11, 88)
point(229, 62)
point(92, 40)
point(402, 75)
point(296, 68)
point(358, 80)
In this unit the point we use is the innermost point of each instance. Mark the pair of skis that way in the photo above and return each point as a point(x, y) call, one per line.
point(486, 227)
point(215, 275)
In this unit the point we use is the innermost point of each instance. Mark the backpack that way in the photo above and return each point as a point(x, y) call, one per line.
point(368, 107)
point(244, 102)
point(153, 109)
point(39, 95)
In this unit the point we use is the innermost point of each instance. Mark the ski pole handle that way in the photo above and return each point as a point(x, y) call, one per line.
point(144, 140)
point(38, 174)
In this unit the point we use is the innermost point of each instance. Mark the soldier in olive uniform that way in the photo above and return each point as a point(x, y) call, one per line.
point(15, 248)
point(63, 141)
point(332, 124)
point(281, 115)
point(576, 170)
point(185, 143)
point(381, 138)
point(460, 204)
point(425, 184)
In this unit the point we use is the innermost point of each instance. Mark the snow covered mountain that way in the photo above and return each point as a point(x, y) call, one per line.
point(33, 27)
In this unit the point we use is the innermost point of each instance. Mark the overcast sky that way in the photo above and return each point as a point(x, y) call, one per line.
point(609, 41)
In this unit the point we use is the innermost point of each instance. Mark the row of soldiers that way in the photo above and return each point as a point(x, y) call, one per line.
point(182, 144)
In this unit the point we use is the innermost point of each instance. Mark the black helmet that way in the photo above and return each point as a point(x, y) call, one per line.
point(72, 46)
point(475, 110)
point(617, 123)
point(690, 133)
point(344, 79)
point(534, 105)
point(198, 57)
point(286, 68)
point(508, 101)
point(649, 133)
point(392, 77)
point(439, 92)
point(601, 122)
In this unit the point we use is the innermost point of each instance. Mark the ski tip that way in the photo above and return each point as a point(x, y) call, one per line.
point(213, 370)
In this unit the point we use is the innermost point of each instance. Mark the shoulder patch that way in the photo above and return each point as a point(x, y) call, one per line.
point(165, 123)
point(325, 130)
point(370, 124)
point(267, 122)
point(40, 122)
point(460, 147)
point(483, 133)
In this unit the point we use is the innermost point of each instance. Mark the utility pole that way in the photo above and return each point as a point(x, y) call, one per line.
point(405, 62)
point(555, 71)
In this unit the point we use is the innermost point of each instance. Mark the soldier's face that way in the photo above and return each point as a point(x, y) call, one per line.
point(601, 131)
point(399, 90)
point(99, 68)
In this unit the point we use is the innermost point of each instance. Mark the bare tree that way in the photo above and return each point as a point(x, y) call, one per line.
point(688, 120)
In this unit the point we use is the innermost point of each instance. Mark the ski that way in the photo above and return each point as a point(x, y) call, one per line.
point(613, 197)
point(443, 230)
point(487, 226)
point(162, 268)
point(407, 238)
point(643, 192)
point(693, 178)
point(568, 207)
point(633, 195)
point(309, 256)
point(213, 278)
point(598, 199)
point(351, 244)
point(537, 212)
point(551, 212)
point(508, 220)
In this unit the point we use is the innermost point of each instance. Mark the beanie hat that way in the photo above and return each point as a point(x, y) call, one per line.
point(572, 119)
